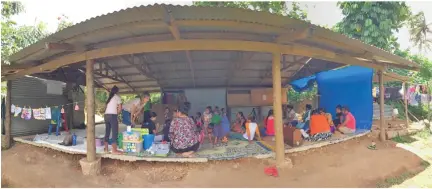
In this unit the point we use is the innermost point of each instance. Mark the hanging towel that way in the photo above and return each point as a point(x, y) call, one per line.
point(47, 113)
point(28, 116)
point(17, 111)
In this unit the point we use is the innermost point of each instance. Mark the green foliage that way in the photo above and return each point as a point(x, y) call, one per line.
point(294, 96)
point(10, 8)
point(275, 7)
point(419, 30)
point(64, 22)
point(373, 22)
point(13, 37)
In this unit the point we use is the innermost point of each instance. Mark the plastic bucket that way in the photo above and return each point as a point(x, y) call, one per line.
point(148, 141)
point(99, 142)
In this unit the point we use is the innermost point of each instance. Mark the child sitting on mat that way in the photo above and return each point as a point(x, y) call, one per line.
point(251, 130)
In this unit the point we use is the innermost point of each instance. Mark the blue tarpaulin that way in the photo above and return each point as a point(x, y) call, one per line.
point(349, 86)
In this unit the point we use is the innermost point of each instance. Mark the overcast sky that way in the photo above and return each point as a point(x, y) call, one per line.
point(319, 12)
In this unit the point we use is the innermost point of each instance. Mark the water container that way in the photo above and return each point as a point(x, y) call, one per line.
point(120, 140)
point(148, 141)
point(74, 139)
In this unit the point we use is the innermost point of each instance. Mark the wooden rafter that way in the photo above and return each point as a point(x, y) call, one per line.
point(178, 45)
point(176, 33)
point(120, 77)
point(238, 65)
point(304, 64)
point(137, 66)
point(295, 35)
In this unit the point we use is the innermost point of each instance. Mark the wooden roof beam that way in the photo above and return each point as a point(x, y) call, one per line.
point(63, 46)
point(176, 33)
point(295, 35)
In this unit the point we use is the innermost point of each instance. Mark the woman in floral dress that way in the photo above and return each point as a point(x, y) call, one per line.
point(182, 133)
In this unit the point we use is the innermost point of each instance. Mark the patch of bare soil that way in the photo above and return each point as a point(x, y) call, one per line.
point(348, 164)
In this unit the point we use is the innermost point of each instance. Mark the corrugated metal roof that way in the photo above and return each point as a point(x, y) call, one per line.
point(148, 23)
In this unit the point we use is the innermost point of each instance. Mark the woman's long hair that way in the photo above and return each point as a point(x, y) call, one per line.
point(113, 92)
point(270, 113)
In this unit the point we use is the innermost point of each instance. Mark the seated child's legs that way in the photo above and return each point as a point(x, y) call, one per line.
point(345, 130)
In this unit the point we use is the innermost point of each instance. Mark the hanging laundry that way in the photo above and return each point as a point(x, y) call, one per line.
point(28, 116)
point(12, 108)
point(76, 107)
point(412, 99)
point(62, 110)
point(36, 113)
point(17, 111)
point(42, 115)
point(24, 112)
point(47, 113)
point(424, 98)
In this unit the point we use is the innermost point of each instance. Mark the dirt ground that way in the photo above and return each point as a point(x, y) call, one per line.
point(347, 164)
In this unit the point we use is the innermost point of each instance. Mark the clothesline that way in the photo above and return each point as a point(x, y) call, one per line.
point(61, 105)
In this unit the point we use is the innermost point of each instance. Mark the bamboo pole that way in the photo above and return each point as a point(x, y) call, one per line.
point(90, 105)
point(8, 118)
point(382, 117)
point(277, 108)
point(404, 87)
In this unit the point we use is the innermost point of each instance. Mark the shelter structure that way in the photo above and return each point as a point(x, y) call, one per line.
point(161, 47)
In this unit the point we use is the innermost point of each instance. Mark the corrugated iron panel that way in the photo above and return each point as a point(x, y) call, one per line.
point(158, 12)
point(32, 92)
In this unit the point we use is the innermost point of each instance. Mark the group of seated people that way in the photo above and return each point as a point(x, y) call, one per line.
point(316, 125)
point(186, 133)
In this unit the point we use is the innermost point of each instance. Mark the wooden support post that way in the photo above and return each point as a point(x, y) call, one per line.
point(8, 121)
point(382, 117)
point(90, 104)
point(277, 109)
point(404, 87)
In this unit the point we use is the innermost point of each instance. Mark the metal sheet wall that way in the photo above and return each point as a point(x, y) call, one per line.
point(30, 91)
point(201, 98)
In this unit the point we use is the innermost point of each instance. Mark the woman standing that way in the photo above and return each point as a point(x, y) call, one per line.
point(182, 133)
point(113, 108)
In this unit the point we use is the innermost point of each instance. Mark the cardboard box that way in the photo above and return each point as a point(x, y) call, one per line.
point(264, 97)
point(239, 99)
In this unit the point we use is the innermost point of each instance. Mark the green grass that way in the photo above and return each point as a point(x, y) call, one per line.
point(421, 135)
point(421, 141)
point(395, 180)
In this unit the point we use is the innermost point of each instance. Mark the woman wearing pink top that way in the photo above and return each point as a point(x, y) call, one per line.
point(349, 124)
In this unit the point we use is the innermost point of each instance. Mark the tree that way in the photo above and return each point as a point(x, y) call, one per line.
point(275, 7)
point(373, 22)
point(419, 30)
point(64, 22)
point(13, 37)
